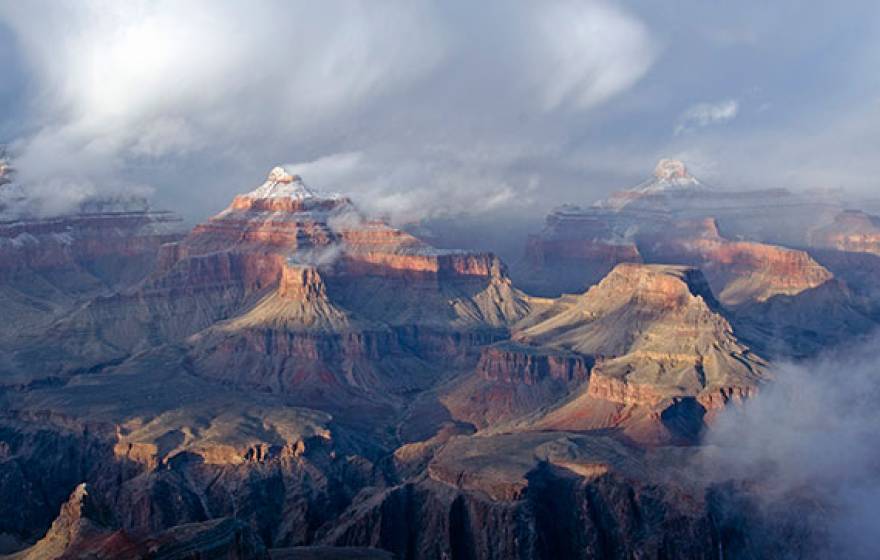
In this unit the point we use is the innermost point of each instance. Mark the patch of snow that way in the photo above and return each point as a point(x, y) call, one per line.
point(281, 184)
point(670, 174)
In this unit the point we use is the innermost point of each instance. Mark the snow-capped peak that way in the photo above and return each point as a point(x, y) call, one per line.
point(671, 169)
point(669, 174)
point(281, 184)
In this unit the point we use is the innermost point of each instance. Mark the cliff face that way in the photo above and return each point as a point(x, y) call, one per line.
point(536, 495)
point(739, 271)
point(512, 380)
point(575, 250)
point(513, 364)
point(162, 449)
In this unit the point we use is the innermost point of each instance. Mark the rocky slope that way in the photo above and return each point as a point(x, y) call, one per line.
point(645, 351)
point(48, 264)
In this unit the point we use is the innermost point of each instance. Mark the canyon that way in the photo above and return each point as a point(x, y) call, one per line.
point(292, 378)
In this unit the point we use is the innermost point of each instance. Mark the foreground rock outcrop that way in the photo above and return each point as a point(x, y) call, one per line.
point(83, 531)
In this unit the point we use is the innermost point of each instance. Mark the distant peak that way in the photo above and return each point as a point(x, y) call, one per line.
point(279, 175)
point(669, 175)
point(671, 170)
point(281, 184)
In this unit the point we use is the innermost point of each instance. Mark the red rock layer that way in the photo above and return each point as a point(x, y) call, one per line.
point(519, 365)
point(186, 274)
point(391, 263)
point(286, 232)
point(738, 270)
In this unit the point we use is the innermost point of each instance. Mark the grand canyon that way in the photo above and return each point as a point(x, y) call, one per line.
point(294, 379)
point(424, 280)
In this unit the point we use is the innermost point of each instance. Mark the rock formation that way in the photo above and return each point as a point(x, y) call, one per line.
point(738, 271)
point(575, 251)
point(284, 262)
point(851, 231)
point(82, 531)
point(645, 350)
point(675, 215)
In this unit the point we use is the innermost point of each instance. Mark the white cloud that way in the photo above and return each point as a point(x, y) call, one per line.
point(120, 84)
point(590, 51)
point(333, 171)
point(403, 191)
point(707, 114)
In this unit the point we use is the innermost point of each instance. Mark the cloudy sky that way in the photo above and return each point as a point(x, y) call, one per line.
point(413, 107)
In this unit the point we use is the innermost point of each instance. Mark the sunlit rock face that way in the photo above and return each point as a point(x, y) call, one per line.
point(739, 271)
point(645, 351)
point(294, 290)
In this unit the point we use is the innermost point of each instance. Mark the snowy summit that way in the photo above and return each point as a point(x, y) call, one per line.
point(281, 184)
point(669, 174)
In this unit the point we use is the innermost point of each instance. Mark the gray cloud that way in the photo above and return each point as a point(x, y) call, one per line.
point(122, 87)
point(451, 106)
